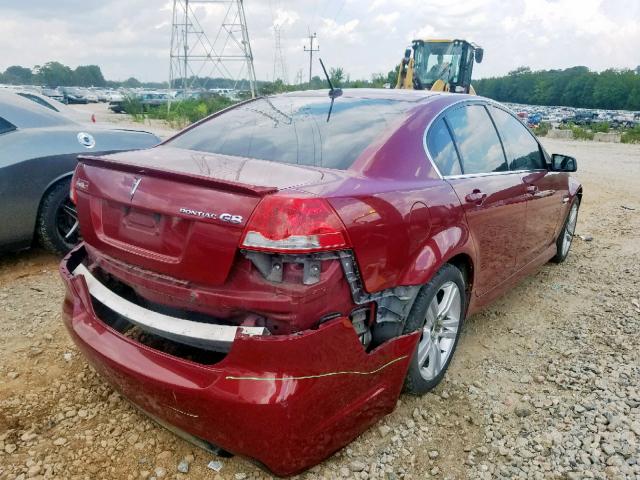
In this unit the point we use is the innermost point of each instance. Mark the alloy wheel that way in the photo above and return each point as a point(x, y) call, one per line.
point(67, 223)
point(570, 229)
point(440, 330)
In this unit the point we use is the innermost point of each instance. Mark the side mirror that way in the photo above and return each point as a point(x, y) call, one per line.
point(479, 53)
point(563, 163)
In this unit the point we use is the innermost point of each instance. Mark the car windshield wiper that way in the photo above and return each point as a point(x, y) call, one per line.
point(333, 92)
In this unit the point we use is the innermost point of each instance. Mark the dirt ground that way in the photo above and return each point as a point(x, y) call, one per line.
point(544, 383)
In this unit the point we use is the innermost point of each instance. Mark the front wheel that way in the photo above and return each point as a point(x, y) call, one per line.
point(565, 238)
point(438, 313)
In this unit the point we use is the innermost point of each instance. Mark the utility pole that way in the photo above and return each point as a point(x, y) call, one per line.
point(311, 50)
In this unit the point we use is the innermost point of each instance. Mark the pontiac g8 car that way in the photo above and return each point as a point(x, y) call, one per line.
point(268, 280)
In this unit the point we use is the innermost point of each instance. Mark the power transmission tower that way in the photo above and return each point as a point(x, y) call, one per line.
point(311, 50)
point(279, 63)
point(196, 53)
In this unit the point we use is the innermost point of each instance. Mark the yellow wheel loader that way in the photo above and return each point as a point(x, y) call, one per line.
point(439, 65)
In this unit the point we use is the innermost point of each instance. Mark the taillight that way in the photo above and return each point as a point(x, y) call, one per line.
point(73, 194)
point(294, 224)
point(77, 182)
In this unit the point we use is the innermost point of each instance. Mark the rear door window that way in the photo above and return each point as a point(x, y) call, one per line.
point(38, 100)
point(442, 150)
point(523, 151)
point(477, 140)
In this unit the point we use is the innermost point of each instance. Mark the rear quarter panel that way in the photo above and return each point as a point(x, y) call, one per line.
point(403, 235)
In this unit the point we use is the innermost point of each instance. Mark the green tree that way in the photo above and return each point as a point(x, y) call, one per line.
point(54, 74)
point(519, 71)
point(392, 77)
point(18, 75)
point(574, 87)
point(633, 102)
point(337, 76)
point(131, 82)
point(88, 76)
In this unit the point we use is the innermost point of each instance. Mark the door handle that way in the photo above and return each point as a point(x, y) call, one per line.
point(532, 189)
point(476, 196)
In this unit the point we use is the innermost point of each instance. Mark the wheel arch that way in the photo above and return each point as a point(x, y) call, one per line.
point(464, 263)
point(452, 245)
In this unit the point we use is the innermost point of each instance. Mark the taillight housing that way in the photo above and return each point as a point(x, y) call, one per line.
point(73, 194)
point(290, 224)
point(77, 182)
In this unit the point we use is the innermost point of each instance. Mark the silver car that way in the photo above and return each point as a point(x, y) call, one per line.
point(38, 149)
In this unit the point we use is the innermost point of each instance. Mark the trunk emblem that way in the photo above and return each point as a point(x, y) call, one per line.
point(225, 217)
point(136, 182)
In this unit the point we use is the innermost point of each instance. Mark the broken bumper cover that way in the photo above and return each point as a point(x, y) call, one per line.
point(287, 402)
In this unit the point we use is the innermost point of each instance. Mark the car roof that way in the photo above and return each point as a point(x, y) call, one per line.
point(377, 93)
point(25, 113)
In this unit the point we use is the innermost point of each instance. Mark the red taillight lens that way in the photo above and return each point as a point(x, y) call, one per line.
point(77, 183)
point(72, 193)
point(294, 224)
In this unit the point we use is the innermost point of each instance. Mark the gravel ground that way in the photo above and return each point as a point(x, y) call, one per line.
point(545, 383)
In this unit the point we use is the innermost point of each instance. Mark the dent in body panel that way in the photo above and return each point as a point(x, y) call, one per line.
point(448, 237)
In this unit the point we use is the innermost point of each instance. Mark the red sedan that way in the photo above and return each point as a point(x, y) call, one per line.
point(268, 280)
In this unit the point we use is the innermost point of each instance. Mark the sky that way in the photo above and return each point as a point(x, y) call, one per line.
point(132, 37)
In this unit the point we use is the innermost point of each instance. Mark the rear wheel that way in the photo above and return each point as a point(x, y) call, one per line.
point(58, 228)
point(565, 238)
point(438, 313)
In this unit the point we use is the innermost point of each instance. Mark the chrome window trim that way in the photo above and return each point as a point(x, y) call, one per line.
point(426, 132)
point(480, 101)
point(490, 174)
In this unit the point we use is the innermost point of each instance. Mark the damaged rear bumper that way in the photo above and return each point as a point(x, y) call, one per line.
point(285, 401)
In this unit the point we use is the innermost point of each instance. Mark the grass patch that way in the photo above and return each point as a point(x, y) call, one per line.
point(181, 113)
point(542, 129)
point(580, 133)
point(631, 135)
point(600, 127)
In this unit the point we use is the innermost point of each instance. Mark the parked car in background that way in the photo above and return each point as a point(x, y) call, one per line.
point(53, 93)
point(101, 95)
point(143, 99)
point(56, 106)
point(38, 148)
point(74, 95)
point(91, 96)
point(582, 118)
point(268, 280)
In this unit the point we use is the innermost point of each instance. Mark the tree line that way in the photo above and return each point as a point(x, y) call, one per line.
point(55, 74)
point(572, 87)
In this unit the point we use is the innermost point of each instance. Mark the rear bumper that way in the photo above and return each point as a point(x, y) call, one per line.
point(286, 401)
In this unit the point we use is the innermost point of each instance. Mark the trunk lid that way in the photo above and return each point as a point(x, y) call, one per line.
point(176, 212)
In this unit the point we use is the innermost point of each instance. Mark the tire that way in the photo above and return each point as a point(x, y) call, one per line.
point(441, 328)
point(57, 226)
point(565, 238)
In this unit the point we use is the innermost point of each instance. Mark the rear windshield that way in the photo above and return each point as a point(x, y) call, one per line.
point(290, 129)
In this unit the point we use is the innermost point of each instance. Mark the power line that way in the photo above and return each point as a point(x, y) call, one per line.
point(193, 54)
point(279, 62)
